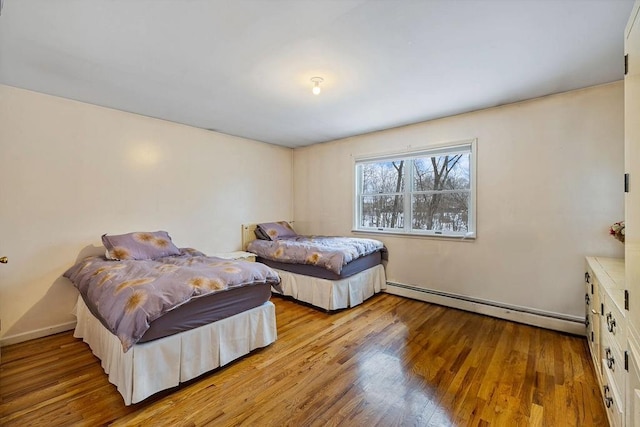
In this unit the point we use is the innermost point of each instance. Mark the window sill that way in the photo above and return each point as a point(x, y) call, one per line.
point(467, 237)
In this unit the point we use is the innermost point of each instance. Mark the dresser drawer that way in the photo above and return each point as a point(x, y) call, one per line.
point(596, 355)
point(632, 405)
point(593, 338)
point(591, 300)
point(612, 401)
point(593, 318)
point(590, 280)
point(613, 364)
point(613, 322)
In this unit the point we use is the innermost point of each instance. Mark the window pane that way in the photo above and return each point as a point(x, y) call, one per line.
point(441, 212)
point(382, 211)
point(383, 177)
point(427, 191)
point(441, 173)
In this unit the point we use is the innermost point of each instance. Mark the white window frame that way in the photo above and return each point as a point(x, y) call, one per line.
point(432, 150)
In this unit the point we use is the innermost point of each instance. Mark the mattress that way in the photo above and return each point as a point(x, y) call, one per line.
point(206, 309)
point(201, 310)
point(129, 295)
point(354, 267)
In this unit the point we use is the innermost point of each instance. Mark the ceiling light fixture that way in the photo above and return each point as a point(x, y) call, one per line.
point(316, 85)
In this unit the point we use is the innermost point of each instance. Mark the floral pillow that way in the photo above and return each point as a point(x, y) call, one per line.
point(139, 245)
point(276, 230)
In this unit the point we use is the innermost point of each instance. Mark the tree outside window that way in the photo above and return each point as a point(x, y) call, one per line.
point(428, 192)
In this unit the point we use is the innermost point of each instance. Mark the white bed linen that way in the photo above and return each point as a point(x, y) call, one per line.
point(333, 294)
point(164, 363)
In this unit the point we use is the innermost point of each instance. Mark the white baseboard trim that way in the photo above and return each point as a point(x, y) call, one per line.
point(526, 315)
point(38, 333)
point(529, 316)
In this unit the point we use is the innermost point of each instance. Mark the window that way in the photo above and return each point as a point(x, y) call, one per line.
point(426, 192)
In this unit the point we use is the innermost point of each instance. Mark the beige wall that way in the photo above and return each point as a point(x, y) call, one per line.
point(549, 185)
point(70, 172)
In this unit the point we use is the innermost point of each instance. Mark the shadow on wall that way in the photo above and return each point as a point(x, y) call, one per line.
point(60, 290)
point(90, 250)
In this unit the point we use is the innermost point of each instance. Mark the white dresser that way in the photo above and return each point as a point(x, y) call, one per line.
point(606, 324)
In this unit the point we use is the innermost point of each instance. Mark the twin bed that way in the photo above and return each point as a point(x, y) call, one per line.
point(157, 316)
point(331, 273)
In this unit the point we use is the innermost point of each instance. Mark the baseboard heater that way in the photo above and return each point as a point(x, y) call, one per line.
point(527, 315)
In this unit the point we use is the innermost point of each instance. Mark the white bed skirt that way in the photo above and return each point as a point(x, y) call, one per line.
point(334, 294)
point(161, 364)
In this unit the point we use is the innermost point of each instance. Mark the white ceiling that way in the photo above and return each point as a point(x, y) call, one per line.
point(242, 67)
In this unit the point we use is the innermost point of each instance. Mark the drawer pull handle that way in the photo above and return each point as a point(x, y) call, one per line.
point(611, 323)
point(610, 360)
point(608, 400)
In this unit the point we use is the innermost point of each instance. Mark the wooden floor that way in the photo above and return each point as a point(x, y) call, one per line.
point(391, 361)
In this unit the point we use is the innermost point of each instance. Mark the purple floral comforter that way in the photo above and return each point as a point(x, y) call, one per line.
point(130, 294)
point(331, 253)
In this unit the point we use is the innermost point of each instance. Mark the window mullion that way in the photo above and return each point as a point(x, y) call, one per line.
point(359, 195)
point(408, 187)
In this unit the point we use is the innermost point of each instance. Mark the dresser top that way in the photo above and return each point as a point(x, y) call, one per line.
point(610, 274)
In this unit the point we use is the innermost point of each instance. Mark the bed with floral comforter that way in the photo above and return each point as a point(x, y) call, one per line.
point(332, 253)
point(127, 295)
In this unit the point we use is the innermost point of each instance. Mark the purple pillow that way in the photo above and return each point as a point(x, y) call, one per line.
point(277, 230)
point(140, 245)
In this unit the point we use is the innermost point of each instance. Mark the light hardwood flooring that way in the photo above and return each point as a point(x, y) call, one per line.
point(390, 361)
